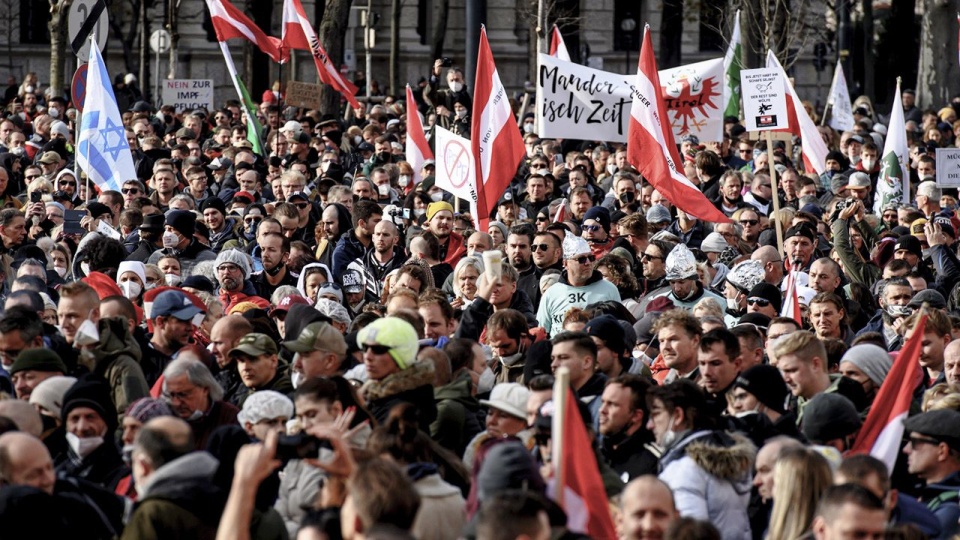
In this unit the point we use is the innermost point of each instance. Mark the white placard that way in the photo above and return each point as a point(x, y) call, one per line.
point(456, 167)
point(948, 167)
point(188, 94)
point(764, 99)
point(578, 102)
point(105, 229)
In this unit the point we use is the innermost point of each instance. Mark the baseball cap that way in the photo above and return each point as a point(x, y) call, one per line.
point(174, 303)
point(50, 157)
point(510, 398)
point(254, 345)
point(284, 305)
point(319, 336)
point(352, 282)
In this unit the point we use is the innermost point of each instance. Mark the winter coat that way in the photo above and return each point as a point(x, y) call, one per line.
point(413, 385)
point(442, 513)
point(103, 466)
point(475, 316)
point(942, 499)
point(455, 249)
point(349, 248)
point(562, 296)
point(631, 456)
point(247, 294)
point(229, 232)
point(710, 475)
point(221, 413)
point(700, 294)
point(179, 500)
point(116, 358)
point(299, 485)
point(457, 421)
point(189, 257)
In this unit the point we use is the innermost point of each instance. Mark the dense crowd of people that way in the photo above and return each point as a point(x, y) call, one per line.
point(311, 341)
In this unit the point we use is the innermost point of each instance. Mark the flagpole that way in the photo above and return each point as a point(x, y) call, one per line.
point(560, 388)
point(775, 190)
point(279, 96)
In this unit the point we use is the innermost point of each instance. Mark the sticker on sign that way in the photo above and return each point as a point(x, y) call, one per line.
point(764, 99)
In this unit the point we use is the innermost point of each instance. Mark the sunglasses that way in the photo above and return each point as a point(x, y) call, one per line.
point(252, 220)
point(302, 205)
point(541, 219)
point(33, 177)
point(67, 183)
point(917, 441)
point(539, 247)
point(648, 257)
point(128, 191)
point(376, 349)
point(586, 259)
point(762, 302)
point(749, 221)
point(591, 228)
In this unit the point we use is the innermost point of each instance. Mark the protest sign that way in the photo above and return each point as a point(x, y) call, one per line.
point(579, 102)
point(948, 167)
point(188, 94)
point(300, 94)
point(764, 99)
point(456, 167)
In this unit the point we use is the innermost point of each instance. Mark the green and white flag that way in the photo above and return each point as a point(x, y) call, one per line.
point(894, 179)
point(253, 125)
point(732, 64)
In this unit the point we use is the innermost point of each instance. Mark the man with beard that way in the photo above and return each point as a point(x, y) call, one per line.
point(749, 220)
point(353, 244)
point(440, 223)
point(685, 286)
point(653, 259)
point(221, 227)
point(580, 286)
point(274, 252)
point(679, 333)
point(895, 295)
point(335, 221)
point(381, 258)
point(627, 444)
point(172, 317)
point(233, 269)
point(519, 254)
point(730, 194)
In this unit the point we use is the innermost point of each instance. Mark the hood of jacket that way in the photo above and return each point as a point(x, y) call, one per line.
point(115, 340)
point(182, 478)
point(723, 455)
point(302, 280)
point(457, 390)
point(595, 277)
point(415, 376)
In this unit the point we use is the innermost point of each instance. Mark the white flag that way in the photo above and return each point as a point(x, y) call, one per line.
point(457, 168)
point(894, 179)
point(841, 111)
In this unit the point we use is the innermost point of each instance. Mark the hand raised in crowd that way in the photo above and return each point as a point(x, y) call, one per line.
point(934, 233)
point(485, 286)
point(342, 464)
point(255, 462)
point(437, 66)
point(850, 211)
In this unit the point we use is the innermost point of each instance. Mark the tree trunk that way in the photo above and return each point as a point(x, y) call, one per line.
point(938, 65)
point(440, 28)
point(395, 48)
point(333, 31)
point(58, 41)
point(868, 55)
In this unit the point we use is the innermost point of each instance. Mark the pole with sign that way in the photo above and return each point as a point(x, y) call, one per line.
point(765, 109)
point(159, 43)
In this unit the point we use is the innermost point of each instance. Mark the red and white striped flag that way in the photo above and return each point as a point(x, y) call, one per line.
point(298, 34)
point(791, 304)
point(417, 150)
point(882, 431)
point(651, 147)
point(557, 47)
point(229, 22)
point(801, 125)
point(494, 133)
point(561, 214)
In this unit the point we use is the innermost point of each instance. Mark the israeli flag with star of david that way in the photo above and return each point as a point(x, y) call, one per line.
point(102, 149)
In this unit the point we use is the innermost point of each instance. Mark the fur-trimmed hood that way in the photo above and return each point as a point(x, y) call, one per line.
point(415, 376)
point(724, 455)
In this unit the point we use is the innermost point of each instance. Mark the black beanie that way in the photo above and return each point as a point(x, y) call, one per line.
point(828, 417)
point(538, 360)
point(215, 203)
point(184, 221)
point(766, 384)
point(94, 394)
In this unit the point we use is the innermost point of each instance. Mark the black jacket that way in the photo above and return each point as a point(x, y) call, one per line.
point(103, 466)
point(413, 385)
point(630, 455)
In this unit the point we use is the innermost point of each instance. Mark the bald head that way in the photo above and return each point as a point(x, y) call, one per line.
point(479, 242)
point(24, 415)
point(25, 461)
point(772, 263)
point(951, 362)
point(648, 508)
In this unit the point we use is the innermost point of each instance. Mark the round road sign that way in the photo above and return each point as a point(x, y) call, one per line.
point(78, 87)
point(84, 18)
point(160, 41)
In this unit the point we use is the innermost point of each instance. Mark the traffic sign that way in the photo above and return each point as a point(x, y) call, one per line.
point(85, 18)
point(160, 41)
point(78, 87)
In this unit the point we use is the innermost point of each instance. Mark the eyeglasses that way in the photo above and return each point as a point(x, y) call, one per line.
point(750, 222)
point(128, 191)
point(649, 257)
point(586, 259)
point(539, 247)
point(376, 349)
point(228, 268)
point(762, 302)
point(591, 228)
point(917, 441)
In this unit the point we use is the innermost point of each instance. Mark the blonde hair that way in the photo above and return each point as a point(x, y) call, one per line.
point(800, 478)
point(708, 307)
point(941, 396)
point(803, 344)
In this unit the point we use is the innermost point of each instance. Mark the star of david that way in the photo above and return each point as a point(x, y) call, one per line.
point(119, 132)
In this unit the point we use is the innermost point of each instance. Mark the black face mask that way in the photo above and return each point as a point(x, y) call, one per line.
point(275, 270)
point(384, 157)
point(628, 197)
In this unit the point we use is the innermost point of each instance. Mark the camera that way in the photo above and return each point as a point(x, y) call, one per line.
point(399, 213)
point(446, 62)
point(299, 446)
point(36, 196)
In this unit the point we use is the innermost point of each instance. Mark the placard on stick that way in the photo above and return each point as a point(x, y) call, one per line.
point(764, 99)
point(301, 94)
point(948, 167)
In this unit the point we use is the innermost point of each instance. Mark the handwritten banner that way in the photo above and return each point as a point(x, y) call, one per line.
point(300, 94)
point(577, 102)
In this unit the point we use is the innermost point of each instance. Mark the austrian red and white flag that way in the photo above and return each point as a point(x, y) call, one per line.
point(651, 147)
point(791, 304)
point(417, 150)
point(801, 125)
point(495, 137)
point(298, 34)
point(561, 214)
point(557, 47)
point(882, 431)
point(229, 22)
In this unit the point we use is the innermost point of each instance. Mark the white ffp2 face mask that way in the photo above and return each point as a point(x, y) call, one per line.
point(87, 334)
point(131, 289)
point(85, 446)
